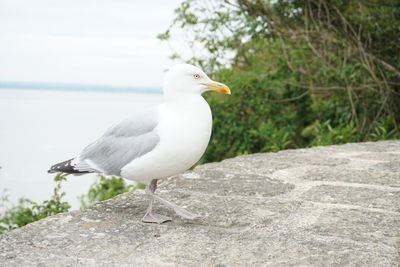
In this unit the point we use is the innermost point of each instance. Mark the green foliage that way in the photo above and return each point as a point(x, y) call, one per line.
point(105, 188)
point(253, 119)
point(322, 134)
point(384, 130)
point(302, 73)
point(27, 211)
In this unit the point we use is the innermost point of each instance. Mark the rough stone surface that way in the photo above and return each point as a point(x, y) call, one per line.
point(324, 206)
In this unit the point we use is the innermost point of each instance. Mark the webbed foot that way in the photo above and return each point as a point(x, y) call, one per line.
point(152, 217)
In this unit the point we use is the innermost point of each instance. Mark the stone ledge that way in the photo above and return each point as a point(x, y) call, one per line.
point(324, 206)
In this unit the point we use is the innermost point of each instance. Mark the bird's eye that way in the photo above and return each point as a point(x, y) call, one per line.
point(196, 76)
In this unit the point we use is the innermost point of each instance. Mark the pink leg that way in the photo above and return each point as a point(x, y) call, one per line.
point(150, 216)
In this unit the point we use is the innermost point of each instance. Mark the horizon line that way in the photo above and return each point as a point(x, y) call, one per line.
point(77, 87)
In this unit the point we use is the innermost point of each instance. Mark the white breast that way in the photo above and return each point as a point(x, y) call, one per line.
point(184, 129)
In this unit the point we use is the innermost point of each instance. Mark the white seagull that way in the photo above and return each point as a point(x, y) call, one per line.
point(156, 143)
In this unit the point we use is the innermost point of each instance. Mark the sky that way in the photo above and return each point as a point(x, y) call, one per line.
point(104, 42)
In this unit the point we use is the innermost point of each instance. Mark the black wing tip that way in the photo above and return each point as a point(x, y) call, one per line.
point(64, 167)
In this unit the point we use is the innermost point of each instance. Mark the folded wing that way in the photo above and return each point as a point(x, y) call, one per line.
point(120, 145)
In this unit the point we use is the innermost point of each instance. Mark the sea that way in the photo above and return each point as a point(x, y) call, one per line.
point(41, 127)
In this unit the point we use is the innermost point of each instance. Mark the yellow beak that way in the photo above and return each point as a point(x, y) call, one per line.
point(218, 87)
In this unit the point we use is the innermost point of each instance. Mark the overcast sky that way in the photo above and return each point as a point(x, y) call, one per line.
point(111, 42)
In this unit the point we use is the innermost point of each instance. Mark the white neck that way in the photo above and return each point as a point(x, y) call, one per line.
point(184, 100)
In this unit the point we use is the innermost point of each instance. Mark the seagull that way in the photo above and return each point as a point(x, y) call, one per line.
point(155, 143)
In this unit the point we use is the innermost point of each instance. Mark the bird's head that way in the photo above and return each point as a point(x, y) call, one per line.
point(188, 79)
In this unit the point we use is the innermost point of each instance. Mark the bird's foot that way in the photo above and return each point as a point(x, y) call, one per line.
point(186, 214)
point(152, 217)
point(156, 218)
point(178, 210)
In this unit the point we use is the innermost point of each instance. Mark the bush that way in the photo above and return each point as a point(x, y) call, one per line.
point(302, 73)
point(27, 211)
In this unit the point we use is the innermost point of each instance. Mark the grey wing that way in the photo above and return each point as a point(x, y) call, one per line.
point(122, 143)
